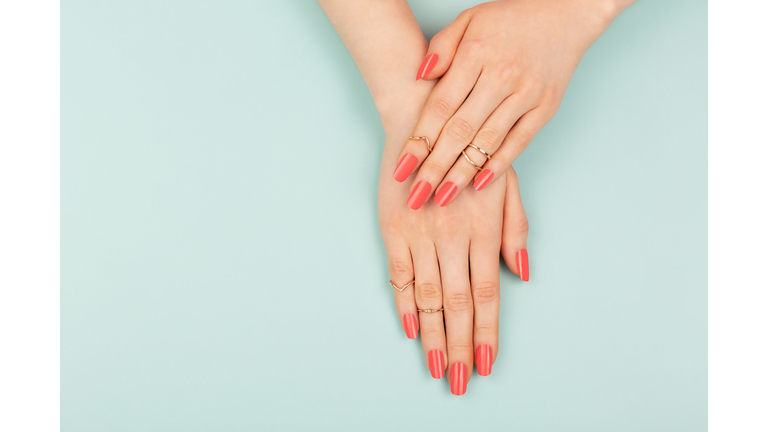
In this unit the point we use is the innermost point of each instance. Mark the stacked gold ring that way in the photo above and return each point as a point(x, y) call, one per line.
point(430, 310)
point(477, 167)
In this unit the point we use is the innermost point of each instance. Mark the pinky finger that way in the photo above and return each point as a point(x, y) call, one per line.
point(514, 237)
point(514, 144)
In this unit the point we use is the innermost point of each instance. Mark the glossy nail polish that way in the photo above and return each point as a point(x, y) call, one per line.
point(445, 194)
point(419, 195)
point(483, 179)
point(458, 379)
point(405, 167)
point(522, 264)
point(436, 365)
point(426, 66)
point(411, 325)
point(483, 358)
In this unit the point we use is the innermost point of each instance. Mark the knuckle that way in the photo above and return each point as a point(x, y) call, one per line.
point(428, 291)
point(518, 226)
point(459, 302)
point(459, 347)
point(401, 268)
point(473, 49)
point(460, 129)
point(486, 327)
point(486, 292)
point(442, 106)
point(521, 138)
point(487, 138)
point(431, 333)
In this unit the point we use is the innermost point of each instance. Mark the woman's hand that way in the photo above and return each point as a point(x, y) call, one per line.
point(453, 256)
point(505, 66)
point(438, 246)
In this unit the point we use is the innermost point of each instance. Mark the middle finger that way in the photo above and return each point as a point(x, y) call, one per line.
point(457, 300)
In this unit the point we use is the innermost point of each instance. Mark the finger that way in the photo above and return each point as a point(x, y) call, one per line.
point(429, 296)
point(514, 144)
point(514, 238)
point(443, 47)
point(484, 274)
point(401, 274)
point(443, 102)
point(460, 130)
point(457, 301)
point(489, 139)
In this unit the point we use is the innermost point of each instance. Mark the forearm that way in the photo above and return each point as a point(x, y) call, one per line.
point(387, 45)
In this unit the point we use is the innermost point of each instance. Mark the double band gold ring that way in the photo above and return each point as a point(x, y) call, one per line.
point(485, 153)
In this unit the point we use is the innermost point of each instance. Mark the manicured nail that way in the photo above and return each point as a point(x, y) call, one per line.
point(405, 167)
point(483, 179)
point(426, 66)
point(445, 193)
point(458, 379)
point(436, 365)
point(411, 326)
point(483, 359)
point(522, 264)
point(419, 195)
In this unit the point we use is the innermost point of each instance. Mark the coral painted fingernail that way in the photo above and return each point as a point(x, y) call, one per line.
point(405, 167)
point(483, 359)
point(436, 365)
point(426, 66)
point(522, 264)
point(445, 193)
point(483, 179)
point(411, 326)
point(458, 379)
point(419, 195)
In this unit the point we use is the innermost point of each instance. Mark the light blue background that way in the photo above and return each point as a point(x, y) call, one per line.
point(209, 287)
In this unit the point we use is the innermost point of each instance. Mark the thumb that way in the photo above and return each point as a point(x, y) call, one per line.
point(514, 237)
point(443, 47)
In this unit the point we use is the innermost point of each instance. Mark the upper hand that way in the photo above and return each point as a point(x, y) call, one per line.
point(505, 67)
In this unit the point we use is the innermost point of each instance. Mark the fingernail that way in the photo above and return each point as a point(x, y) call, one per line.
point(426, 66)
point(405, 167)
point(458, 379)
point(445, 193)
point(483, 179)
point(436, 365)
point(483, 360)
point(411, 326)
point(419, 195)
point(522, 264)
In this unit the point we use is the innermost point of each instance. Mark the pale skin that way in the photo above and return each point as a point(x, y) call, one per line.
point(436, 246)
point(505, 66)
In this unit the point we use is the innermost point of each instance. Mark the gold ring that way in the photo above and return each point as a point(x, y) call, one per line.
point(430, 310)
point(404, 287)
point(429, 147)
point(477, 167)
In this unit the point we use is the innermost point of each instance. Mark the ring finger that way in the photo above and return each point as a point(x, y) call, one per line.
point(429, 301)
point(489, 139)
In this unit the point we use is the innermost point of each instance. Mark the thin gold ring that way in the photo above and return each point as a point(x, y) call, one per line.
point(477, 167)
point(404, 286)
point(430, 310)
point(429, 146)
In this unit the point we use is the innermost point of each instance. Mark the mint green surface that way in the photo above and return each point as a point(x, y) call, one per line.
point(222, 267)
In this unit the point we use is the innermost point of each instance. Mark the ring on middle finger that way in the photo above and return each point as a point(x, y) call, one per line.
point(485, 153)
